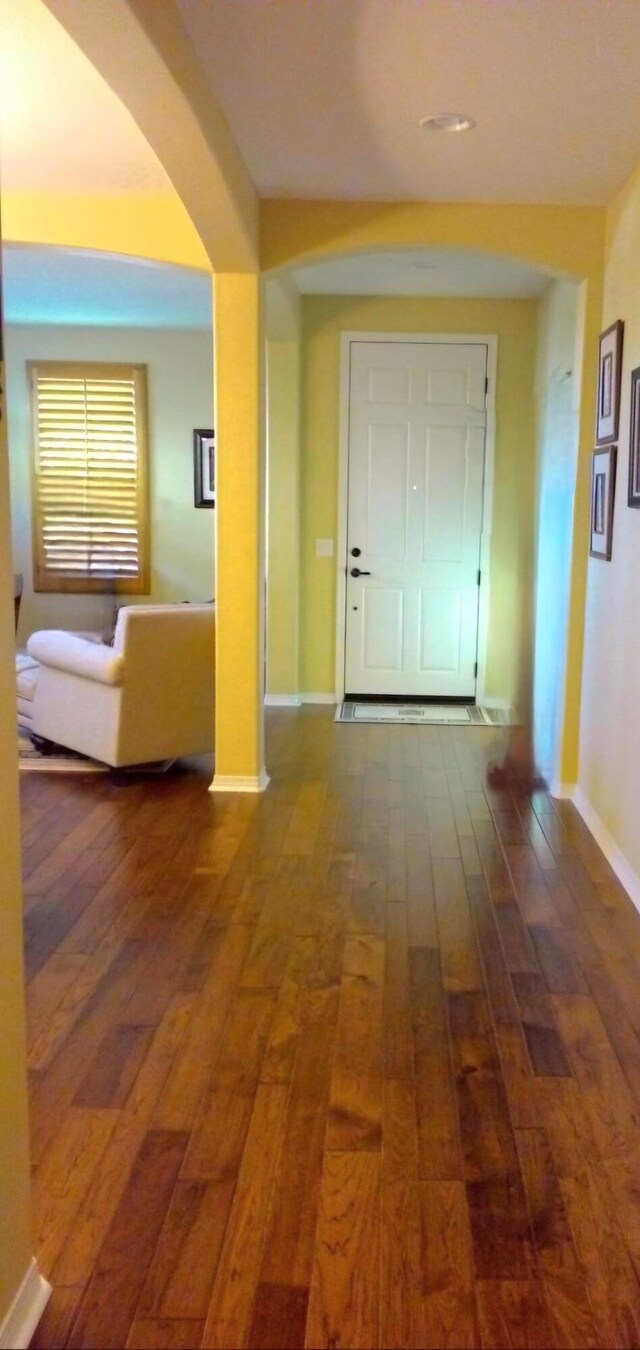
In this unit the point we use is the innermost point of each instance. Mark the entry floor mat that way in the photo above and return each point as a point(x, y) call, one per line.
point(423, 714)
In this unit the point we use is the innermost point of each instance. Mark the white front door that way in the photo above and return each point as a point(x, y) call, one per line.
point(417, 425)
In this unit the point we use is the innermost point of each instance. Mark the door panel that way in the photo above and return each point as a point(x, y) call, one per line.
point(416, 464)
point(388, 386)
point(382, 629)
point(445, 494)
point(440, 624)
point(387, 469)
point(449, 387)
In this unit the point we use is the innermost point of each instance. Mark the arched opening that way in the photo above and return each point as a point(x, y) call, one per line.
point(77, 174)
point(70, 305)
point(534, 314)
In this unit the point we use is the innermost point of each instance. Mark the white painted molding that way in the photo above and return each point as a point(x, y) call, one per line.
point(318, 698)
point(231, 782)
point(502, 704)
point(563, 791)
point(26, 1310)
point(614, 855)
point(282, 700)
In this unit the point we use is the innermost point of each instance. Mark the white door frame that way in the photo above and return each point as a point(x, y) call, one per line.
point(469, 339)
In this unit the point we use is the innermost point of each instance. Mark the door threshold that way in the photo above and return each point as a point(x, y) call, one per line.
point(465, 700)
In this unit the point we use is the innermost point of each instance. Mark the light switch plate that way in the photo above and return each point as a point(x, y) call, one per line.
point(324, 548)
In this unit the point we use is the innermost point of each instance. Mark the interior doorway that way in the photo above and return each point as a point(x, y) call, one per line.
point(415, 510)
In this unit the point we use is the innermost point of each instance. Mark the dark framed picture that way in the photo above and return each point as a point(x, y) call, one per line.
point(634, 440)
point(603, 487)
point(609, 379)
point(204, 467)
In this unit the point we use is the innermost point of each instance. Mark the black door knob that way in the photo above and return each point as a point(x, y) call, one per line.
point(355, 552)
point(355, 572)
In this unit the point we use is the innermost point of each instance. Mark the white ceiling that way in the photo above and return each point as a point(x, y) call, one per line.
point(70, 286)
point(433, 272)
point(61, 127)
point(324, 96)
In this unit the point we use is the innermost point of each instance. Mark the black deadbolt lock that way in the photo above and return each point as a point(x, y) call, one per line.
point(355, 552)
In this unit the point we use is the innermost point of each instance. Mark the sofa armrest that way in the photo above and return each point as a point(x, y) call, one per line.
point(77, 655)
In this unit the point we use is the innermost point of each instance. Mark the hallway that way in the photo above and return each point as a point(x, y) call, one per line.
point(352, 1063)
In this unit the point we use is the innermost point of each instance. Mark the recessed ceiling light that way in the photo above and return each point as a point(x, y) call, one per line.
point(447, 122)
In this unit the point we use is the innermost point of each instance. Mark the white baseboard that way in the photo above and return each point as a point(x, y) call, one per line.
point(564, 791)
point(318, 698)
point(502, 704)
point(25, 1311)
point(230, 782)
point(282, 700)
point(613, 854)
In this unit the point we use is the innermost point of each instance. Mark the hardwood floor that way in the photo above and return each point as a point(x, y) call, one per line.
point(353, 1063)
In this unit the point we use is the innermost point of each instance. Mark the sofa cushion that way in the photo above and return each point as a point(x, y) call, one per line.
point(77, 655)
point(26, 675)
point(25, 712)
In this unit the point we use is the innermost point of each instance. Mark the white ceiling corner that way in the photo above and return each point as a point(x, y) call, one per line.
point(62, 129)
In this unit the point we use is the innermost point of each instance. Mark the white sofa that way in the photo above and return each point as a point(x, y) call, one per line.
point(148, 697)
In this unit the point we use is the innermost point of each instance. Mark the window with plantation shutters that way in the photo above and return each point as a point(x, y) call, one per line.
point(90, 517)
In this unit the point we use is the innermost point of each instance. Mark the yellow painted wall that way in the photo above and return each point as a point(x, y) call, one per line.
point(514, 323)
point(568, 239)
point(609, 772)
point(15, 1240)
point(238, 344)
point(145, 55)
point(283, 338)
point(146, 225)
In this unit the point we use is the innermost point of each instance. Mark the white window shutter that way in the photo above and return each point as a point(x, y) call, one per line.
point(90, 476)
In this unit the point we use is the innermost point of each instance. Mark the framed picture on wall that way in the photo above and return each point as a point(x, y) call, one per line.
point(603, 486)
point(609, 378)
point(204, 467)
point(634, 440)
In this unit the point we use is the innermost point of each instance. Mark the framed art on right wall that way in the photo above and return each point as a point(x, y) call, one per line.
point(609, 378)
point(204, 462)
point(634, 440)
point(603, 487)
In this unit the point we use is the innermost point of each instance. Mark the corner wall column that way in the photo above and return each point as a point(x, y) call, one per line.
point(239, 717)
point(23, 1292)
point(589, 324)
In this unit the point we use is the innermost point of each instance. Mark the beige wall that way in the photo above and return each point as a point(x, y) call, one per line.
point(15, 1240)
point(609, 767)
point(514, 323)
point(180, 384)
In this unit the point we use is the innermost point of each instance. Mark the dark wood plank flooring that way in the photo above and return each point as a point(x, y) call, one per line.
point(353, 1063)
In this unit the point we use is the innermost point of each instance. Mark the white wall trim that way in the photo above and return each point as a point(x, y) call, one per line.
point(489, 341)
point(614, 855)
point(563, 791)
point(230, 782)
point(318, 698)
point(26, 1310)
point(282, 700)
point(489, 701)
